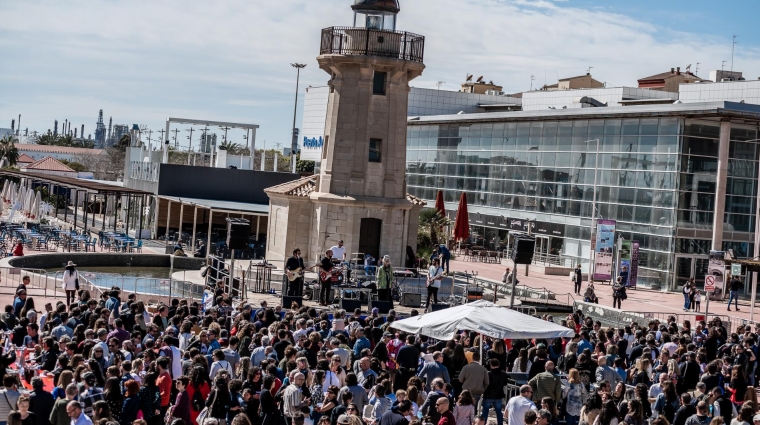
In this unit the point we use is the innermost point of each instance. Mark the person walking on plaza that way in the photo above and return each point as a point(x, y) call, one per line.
point(385, 281)
point(686, 295)
point(70, 282)
point(435, 276)
point(546, 384)
point(519, 405)
point(735, 285)
point(474, 378)
point(577, 279)
point(618, 293)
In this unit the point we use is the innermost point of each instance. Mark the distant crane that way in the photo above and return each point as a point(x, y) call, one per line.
point(439, 84)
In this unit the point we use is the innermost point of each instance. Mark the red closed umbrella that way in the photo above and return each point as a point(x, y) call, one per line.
point(462, 223)
point(439, 204)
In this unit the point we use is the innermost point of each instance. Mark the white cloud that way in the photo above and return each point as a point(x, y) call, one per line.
point(143, 60)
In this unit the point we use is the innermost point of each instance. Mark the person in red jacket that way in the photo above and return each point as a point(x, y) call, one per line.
point(442, 406)
point(18, 250)
point(164, 383)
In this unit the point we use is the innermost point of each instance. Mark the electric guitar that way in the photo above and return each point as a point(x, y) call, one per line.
point(294, 274)
point(331, 275)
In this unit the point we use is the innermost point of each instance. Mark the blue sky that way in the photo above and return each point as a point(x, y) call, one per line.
point(141, 61)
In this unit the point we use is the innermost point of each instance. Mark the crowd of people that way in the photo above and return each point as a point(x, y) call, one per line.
point(116, 361)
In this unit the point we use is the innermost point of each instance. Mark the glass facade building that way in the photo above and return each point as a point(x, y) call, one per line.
point(655, 172)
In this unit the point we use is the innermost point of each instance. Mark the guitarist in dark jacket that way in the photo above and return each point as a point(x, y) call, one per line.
point(294, 274)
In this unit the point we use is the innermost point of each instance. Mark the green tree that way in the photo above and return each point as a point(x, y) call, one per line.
point(8, 151)
point(433, 223)
point(303, 166)
point(47, 139)
point(74, 165)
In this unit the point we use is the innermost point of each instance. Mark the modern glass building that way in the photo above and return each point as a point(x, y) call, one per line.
point(679, 178)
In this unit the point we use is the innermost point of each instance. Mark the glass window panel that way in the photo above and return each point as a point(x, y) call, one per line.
point(565, 128)
point(486, 129)
point(649, 126)
point(701, 164)
point(642, 215)
point(648, 143)
point(668, 126)
point(626, 195)
point(741, 150)
point(630, 127)
point(701, 130)
point(498, 130)
point(742, 168)
point(475, 130)
point(700, 146)
point(550, 128)
point(629, 144)
point(595, 129)
point(536, 130)
point(739, 133)
point(625, 212)
point(523, 129)
point(738, 222)
point(485, 143)
point(580, 128)
point(667, 144)
point(425, 131)
point(522, 143)
point(549, 143)
point(612, 127)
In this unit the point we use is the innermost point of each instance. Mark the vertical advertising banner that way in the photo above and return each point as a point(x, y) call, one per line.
point(634, 273)
point(715, 270)
point(625, 262)
point(605, 241)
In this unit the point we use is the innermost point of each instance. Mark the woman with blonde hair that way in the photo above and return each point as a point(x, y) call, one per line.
point(574, 394)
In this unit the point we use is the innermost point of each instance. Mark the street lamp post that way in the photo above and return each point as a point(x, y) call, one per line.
point(593, 215)
point(294, 143)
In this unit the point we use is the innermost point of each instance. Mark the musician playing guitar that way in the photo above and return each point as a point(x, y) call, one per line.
point(435, 276)
point(294, 269)
point(325, 278)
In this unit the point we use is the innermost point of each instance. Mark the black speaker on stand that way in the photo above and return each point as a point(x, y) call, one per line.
point(383, 307)
point(350, 305)
point(522, 250)
point(238, 232)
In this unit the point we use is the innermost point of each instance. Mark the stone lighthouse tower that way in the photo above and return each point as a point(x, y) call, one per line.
point(360, 193)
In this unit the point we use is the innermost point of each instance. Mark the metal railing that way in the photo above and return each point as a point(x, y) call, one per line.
point(40, 279)
point(553, 260)
point(609, 316)
point(372, 42)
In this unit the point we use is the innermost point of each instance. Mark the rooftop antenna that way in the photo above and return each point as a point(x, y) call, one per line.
point(439, 84)
point(688, 68)
point(480, 79)
point(733, 45)
point(696, 72)
point(532, 77)
point(722, 65)
point(468, 79)
point(588, 71)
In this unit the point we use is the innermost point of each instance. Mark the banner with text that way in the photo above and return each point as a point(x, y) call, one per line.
point(605, 240)
point(715, 270)
point(634, 274)
point(625, 262)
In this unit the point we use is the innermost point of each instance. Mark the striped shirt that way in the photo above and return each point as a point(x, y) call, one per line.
point(291, 400)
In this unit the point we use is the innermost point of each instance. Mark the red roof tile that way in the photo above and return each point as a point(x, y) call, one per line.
point(49, 163)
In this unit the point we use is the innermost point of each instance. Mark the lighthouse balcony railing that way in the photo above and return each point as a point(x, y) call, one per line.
point(372, 42)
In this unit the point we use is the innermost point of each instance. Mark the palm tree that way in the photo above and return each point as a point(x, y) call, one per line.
point(433, 223)
point(47, 139)
point(231, 147)
point(8, 151)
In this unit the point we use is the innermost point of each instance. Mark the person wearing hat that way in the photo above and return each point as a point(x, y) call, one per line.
point(70, 282)
point(385, 281)
point(91, 393)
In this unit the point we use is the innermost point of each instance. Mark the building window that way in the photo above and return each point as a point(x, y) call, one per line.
point(324, 147)
point(374, 150)
point(378, 84)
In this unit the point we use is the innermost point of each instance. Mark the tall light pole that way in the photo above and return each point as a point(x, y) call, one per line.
point(593, 216)
point(294, 143)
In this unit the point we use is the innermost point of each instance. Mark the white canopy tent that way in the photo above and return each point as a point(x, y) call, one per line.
point(483, 317)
